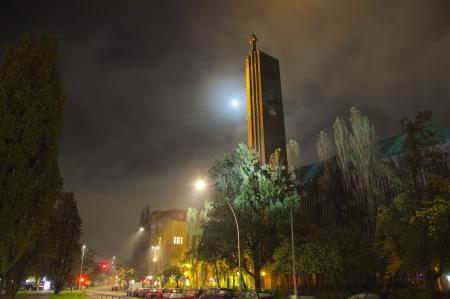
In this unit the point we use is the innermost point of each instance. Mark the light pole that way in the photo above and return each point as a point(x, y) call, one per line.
point(238, 244)
point(293, 254)
point(155, 259)
point(200, 185)
point(83, 248)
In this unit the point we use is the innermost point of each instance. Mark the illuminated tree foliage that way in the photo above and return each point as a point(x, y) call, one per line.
point(325, 152)
point(195, 221)
point(413, 229)
point(31, 116)
point(173, 273)
point(261, 196)
point(294, 156)
point(358, 160)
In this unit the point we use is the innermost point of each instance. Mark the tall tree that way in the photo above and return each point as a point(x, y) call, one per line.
point(31, 117)
point(64, 241)
point(413, 229)
point(261, 198)
point(195, 221)
point(325, 152)
point(294, 157)
point(358, 160)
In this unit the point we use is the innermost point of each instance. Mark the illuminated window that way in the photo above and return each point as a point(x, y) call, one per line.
point(177, 240)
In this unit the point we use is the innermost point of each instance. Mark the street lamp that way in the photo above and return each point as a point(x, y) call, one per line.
point(83, 248)
point(141, 229)
point(155, 259)
point(201, 185)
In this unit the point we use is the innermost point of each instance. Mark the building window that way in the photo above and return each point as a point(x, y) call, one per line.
point(177, 240)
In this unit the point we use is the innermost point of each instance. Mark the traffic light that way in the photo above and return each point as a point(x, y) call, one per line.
point(104, 267)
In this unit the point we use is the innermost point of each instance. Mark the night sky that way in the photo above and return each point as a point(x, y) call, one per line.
point(150, 83)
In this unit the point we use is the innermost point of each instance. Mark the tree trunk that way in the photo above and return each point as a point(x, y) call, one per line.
point(257, 276)
point(217, 274)
point(430, 282)
point(58, 287)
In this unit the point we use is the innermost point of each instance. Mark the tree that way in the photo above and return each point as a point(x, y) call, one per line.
point(261, 197)
point(325, 152)
point(215, 248)
point(333, 254)
point(174, 273)
point(358, 160)
point(31, 115)
point(413, 229)
point(64, 241)
point(294, 157)
point(124, 274)
point(195, 221)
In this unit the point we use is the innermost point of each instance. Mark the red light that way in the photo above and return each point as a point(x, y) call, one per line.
point(103, 266)
point(82, 279)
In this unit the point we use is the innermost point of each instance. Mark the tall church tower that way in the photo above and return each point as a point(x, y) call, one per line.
point(266, 131)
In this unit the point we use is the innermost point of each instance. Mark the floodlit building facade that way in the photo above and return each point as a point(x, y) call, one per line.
point(168, 238)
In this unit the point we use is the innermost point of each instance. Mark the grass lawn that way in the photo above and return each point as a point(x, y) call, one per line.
point(75, 294)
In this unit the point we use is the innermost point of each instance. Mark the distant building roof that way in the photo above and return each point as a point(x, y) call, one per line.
point(173, 214)
point(389, 147)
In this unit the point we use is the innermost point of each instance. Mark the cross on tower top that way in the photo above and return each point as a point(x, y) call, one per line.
point(253, 40)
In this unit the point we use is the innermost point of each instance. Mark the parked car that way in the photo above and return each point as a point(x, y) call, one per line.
point(255, 295)
point(175, 294)
point(136, 292)
point(142, 292)
point(132, 288)
point(376, 296)
point(218, 293)
point(161, 292)
point(151, 293)
point(192, 294)
point(165, 295)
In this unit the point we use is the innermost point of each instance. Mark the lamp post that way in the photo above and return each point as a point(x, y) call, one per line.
point(155, 258)
point(83, 248)
point(200, 185)
point(293, 255)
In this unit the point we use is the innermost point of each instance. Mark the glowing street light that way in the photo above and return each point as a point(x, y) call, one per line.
point(200, 184)
point(141, 229)
point(234, 103)
point(83, 248)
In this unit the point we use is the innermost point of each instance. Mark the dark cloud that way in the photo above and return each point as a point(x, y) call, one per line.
point(149, 85)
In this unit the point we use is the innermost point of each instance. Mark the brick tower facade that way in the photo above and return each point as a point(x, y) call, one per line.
point(266, 132)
